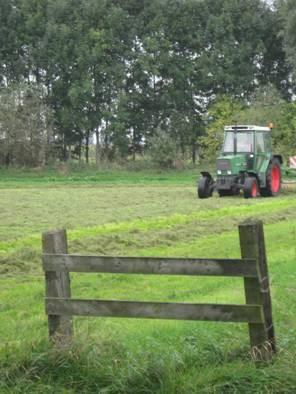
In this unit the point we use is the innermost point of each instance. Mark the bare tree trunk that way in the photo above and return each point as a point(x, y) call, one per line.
point(193, 154)
point(97, 146)
point(134, 144)
point(64, 149)
point(193, 151)
point(87, 147)
point(79, 150)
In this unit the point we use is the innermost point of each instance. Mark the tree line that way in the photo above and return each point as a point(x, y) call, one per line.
point(138, 76)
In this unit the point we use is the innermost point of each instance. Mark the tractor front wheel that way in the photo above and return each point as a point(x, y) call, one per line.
point(204, 189)
point(273, 179)
point(251, 189)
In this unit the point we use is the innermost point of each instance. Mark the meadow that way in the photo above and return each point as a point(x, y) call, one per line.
point(144, 213)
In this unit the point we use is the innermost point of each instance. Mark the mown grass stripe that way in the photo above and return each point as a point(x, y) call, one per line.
point(263, 207)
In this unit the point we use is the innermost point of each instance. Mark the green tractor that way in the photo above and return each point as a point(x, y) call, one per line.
point(246, 163)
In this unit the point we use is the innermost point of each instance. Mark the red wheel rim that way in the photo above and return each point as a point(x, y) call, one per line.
point(254, 189)
point(275, 179)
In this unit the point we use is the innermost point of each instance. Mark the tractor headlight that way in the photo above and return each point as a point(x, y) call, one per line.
point(219, 172)
point(228, 172)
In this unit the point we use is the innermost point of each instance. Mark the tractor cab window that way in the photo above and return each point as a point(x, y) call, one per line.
point(229, 142)
point(244, 142)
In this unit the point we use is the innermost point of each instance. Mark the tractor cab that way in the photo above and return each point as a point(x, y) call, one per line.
point(238, 141)
point(245, 147)
point(245, 163)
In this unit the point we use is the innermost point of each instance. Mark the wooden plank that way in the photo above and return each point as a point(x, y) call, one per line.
point(57, 285)
point(251, 247)
point(150, 265)
point(155, 310)
point(265, 288)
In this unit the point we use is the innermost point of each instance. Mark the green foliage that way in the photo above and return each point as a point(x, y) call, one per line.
point(26, 126)
point(266, 106)
point(286, 139)
point(127, 68)
point(162, 148)
point(287, 12)
point(224, 111)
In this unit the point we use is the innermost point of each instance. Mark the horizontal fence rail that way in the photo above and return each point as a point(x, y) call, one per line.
point(252, 267)
point(150, 265)
point(155, 310)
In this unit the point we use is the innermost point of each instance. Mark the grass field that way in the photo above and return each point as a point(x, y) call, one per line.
point(146, 214)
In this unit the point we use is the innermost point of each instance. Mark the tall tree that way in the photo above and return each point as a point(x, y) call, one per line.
point(25, 126)
point(287, 12)
point(123, 69)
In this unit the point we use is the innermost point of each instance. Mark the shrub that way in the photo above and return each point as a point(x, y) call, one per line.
point(163, 149)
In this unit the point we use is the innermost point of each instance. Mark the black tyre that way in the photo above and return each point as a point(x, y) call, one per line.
point(273, 179)
point(204, 189)
point(251, 188)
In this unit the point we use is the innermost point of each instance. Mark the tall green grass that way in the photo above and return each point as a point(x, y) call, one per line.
point(137, 355)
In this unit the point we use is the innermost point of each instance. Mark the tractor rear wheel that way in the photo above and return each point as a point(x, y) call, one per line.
point(204, 189)
point(251, 188)
point(273, 179)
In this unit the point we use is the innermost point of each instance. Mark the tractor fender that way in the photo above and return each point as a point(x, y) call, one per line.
point(207, 174)
point(253, 174)
point(267, 162)
point(261, 182)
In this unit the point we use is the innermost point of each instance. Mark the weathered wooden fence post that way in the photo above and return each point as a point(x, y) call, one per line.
point(60, 307)
point(257, 290)
point(57, 285)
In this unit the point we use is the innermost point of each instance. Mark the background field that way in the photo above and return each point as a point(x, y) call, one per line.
point(147, 214)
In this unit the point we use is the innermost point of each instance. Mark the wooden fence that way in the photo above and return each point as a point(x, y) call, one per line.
point(60, 307)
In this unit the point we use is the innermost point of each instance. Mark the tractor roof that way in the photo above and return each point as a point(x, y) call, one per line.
point(246, 127)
